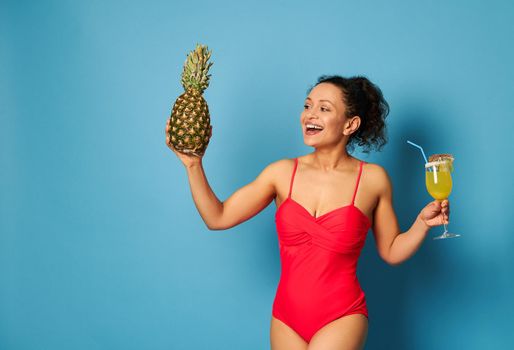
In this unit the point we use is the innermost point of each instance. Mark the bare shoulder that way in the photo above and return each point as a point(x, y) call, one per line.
point(284, 164)
point(377, 177)
point(277, 173)
point(278, 169)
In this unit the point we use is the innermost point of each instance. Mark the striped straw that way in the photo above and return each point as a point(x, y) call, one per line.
point(421, 149)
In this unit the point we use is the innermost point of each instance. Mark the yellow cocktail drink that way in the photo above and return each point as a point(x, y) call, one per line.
point(439, 182)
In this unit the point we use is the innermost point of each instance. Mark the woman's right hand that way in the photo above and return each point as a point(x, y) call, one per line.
point(187, 160)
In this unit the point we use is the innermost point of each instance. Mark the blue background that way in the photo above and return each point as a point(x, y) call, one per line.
point(101, 246)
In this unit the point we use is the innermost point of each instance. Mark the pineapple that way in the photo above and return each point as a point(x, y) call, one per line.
point(190, 128)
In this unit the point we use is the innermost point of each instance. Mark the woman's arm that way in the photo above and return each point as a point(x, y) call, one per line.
point(245, 203)
point(239, 207)
point(393, 246)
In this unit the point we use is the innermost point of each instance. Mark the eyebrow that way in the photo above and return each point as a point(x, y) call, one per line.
point(308, 98)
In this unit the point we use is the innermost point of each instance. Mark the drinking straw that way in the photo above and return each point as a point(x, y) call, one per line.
point(421, 149)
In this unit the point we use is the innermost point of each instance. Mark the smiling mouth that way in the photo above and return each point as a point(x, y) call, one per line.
point(312, 129)
point(312, 132)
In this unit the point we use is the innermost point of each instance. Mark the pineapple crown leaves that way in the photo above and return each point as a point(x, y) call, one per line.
point(196, 69)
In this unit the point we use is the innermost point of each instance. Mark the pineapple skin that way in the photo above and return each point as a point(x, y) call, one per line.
point(190, 130)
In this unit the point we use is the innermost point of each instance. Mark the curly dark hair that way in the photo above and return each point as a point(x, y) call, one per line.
point(364, 99)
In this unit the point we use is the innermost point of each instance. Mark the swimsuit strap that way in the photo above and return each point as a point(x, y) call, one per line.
point(357, 185)
point(292, 177)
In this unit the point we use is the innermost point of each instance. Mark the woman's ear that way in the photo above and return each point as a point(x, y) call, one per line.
point(352, 125)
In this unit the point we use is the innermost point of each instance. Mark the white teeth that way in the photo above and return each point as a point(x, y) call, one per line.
point(314, 126)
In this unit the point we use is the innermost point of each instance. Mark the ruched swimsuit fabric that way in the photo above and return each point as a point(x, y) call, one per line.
point(318, 281)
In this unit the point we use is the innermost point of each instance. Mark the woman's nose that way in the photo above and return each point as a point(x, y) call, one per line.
point(310, 114)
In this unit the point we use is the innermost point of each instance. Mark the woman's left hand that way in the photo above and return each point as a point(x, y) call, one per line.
point(436, 213)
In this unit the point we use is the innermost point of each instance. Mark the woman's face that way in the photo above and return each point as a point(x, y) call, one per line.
point(323, 118)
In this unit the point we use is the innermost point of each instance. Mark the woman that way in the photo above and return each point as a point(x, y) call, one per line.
point(326, 202)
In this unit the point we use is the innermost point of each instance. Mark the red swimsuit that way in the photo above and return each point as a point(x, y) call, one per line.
point(318, 282)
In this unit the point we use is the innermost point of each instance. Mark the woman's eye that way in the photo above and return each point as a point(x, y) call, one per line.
point(324, 109)
point(306, 106)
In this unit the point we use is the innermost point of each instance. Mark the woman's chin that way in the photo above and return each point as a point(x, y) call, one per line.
point(309, 143)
